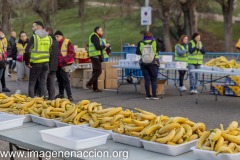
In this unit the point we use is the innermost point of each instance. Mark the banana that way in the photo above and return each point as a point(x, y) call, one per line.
point(27, 104)
point(32, 112)
point(154, 138)
point(63, 104)
point(146, 116)
point(94, 117)
point(143, 111)
point(232, 126)
point(178, 135)
point(217, 134)
point(57, 102)
point(221, 127)
point(113, 112)
point(84, 102)
point(106, 119)
point(95, 124)
point(127, 120)
point(86, 117)
point(103, 111)
point(224, 149)
point(202, 139)
point(169, 137)
point(190, 123)
point(53, 103)
point(18, 98)
point(140, 123)
point(6, 105)
point(180, 141)
point(91, 106)
point(201, 126)
point(8, 99)
point(77, 118)
point(131, 128)
point(231, 138)
point(179, 120)
point(126, 113)
point(58, 110)
point(168, 127)
point(234, 133)
point(110, 127)
point(193, 137)
point(71, 117)
point(231, 146)
point(47, 111)
point(37, 110)
point(116, 118)
point(153, 128)
point(188, 129)
point(69, 112)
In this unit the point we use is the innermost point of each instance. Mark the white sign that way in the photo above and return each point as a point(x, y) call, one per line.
point(146, 15)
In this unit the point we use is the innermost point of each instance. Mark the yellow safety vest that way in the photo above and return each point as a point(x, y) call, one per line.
point(21, 48)
point(196, 57)
point(40, 52)
point(183, 57)
point(3, 45)
point(92, 50)
point(64, 48)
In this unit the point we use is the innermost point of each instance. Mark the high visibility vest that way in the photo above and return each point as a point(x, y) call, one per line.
point(154, 45)
point(64, 47)
point(182, 57)
point(40, 52)
point(92, 50)
point(104, 43)
point(21, 48)
point(196, 57)
point(3, 45)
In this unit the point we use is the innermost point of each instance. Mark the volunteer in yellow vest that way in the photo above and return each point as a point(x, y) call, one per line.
point(181, 54)
point(96, 54)
point(195, 59)
point(17, 55)
point(3, 54)
point(150, 70)
point(36, 58)
point(65, 59)
point(107, 50)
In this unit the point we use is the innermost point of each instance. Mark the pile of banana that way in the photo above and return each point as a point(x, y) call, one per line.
point(59, 109)
point(222, 62)
point(220, 140)
point(161, 129)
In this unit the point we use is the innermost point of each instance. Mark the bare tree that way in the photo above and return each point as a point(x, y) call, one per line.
point(81, 12)
point(227, 10)
point(6, 10)
point(44, 10)
point(190, 16)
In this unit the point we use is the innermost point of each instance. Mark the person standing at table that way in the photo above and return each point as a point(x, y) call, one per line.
point(149, 63)
point(181, 54)
point(195, 59)
point(96, 54)
point(10, 49)
point(22, 69)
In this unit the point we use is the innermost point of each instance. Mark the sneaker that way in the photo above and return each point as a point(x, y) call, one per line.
point(97, 90)
point(5, 90)
point(70, 98)
point(59, 96)
point(192, 91)
point(9, 74)
point(184, 88)
point(89, 87)
point(195, 91)
point(148, 98)
point(155, 98)
point(18, 92)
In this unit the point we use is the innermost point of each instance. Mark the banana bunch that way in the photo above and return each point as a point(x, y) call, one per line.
point(110, 118)
point(220, 140)
point(222, 62)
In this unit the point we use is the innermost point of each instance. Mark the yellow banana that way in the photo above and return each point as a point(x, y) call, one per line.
point(77, 118)
point(126, 113)
point(153, 128)
point(94, 117)
point(6, 105)
point(168, 127)
point(95, 124)
point(179, 120)
point(219, 143)
point(86, 117)
point(224, 149)
point(180, 141)
point(127, 120)
point(116, 118)
point(32, 112)
point(140, 123)
point(57, 102)
point(18, 98)
point(8, 99)
point(169, 137)
point(135, 134)
point(106, 119)
point(146, 116)
point(110, 127)
point(202, 139)
point(113, 112)
point(178, 135)
point(69, 112)
point(71, 117)
point(234, 133)
point(231, 138)
point(130, 128)
point(190, 123)
point(201, 126)
point(58, 110)
point(27, 104)
point(188, 129)
point(91, 106)
point(103, 111)
point(232, 126)
point(143, 111)
point(217, 134)
point(84, 102)
point(53, 103)
point(63, 104)
point(193, 137)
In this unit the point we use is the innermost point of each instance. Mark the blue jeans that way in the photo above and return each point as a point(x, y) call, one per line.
point(150, 73)
point(193, 76)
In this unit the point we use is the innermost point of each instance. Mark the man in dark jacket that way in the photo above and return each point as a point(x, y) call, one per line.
point(96, 54)
point(53, 64)
point(11, 49)
point(65, 59)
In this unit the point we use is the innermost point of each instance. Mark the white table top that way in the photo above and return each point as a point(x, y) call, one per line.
point(19, 136)
point(214, 72)
point(129, 67)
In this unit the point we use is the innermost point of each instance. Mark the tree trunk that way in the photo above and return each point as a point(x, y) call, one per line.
point(228, 32)
point(81, 12)
point(166, 34)
point(44, 13)
point(6, 9)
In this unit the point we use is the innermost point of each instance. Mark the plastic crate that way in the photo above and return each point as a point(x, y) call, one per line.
point(130, 49)
point(134, 72)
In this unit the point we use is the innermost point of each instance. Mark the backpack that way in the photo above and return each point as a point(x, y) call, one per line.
point(148, 54)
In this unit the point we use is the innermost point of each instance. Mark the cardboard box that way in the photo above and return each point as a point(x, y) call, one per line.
point(78, 73)
point(176, 65)
point(87, 74)
point(232, 91)
point(160, 87)
point(111, 83)
point(133, 57)
point(111, 74)
point(233, 80)
point(76, 82)
point(217, 90)
point(107, 65)
point(165, 58)
point(128, 63)
point(100, 84)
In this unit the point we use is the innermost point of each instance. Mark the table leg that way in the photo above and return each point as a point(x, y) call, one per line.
point(122, 79)
point(11, 150)
point(198, 95)
point(175, 83)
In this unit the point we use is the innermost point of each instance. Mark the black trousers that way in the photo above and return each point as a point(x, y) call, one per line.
point(51, 85)
point(97, 70)
point(3, 81)
point(38, 72)
point(181, 77)
point(63, 82)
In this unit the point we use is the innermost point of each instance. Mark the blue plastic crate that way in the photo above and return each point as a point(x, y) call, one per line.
point(130, 49)
point(134, 72)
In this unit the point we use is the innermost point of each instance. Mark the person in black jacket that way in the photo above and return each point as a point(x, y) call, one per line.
point(53, 64)
point(10, 49)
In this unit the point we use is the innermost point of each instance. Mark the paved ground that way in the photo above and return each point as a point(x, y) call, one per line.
point(209, 111)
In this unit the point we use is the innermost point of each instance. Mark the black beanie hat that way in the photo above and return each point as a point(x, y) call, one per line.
point(39, 23)
point(58, 33)
point(195, 35)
